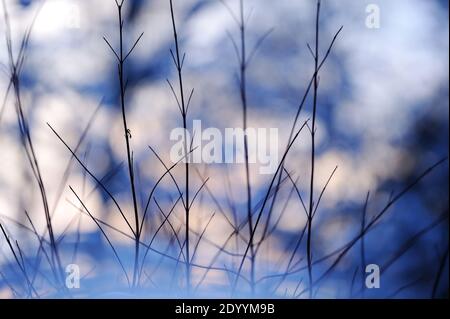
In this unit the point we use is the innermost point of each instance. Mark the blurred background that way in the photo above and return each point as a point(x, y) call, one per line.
point(382, 119)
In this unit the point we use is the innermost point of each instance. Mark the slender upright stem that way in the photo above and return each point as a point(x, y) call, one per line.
point(243, 93)
point(37, 173)
point(313, 153)
point(26, 139)
point(179, 66)
point(127, 143)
